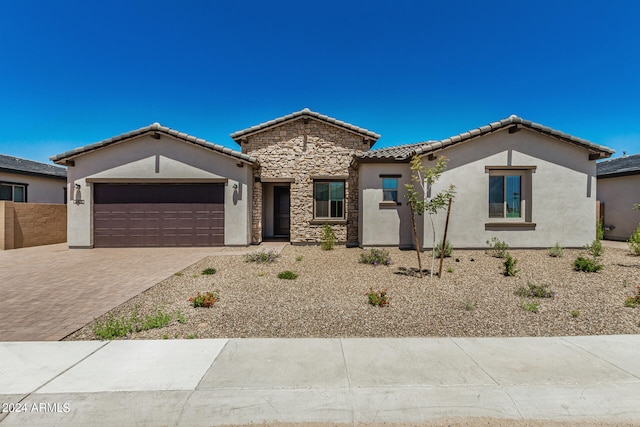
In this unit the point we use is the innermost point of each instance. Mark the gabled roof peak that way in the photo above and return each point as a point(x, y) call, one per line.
point(305, 112)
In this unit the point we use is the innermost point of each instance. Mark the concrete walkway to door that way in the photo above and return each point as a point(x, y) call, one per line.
point(51, 291)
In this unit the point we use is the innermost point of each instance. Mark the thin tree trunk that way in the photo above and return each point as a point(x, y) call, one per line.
point(444, 239)
point(415, 240)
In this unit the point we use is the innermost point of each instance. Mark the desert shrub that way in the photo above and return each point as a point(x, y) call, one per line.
point(114, 327)
point(633, 301)
point(261, 257)
point(535, 291)
point(448, 249)
point(468, 305)
point(378, 298)
point(532, 307)
point(375, 257)
point(208, 271)
point(587, 265)
point(287, 275)
point(595, 248)
point(510, 266)
point(205, 300)
point(328, 238)
point(556, 250)
point(497, 248)
point(634, 242)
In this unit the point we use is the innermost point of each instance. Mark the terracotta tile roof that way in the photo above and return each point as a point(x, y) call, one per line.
point(30, 167)
point(626, 165)
point(153, 128)
point(301, 114)
point(405, 152)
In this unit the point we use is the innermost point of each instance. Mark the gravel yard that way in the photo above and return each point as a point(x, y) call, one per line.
point(328, 298)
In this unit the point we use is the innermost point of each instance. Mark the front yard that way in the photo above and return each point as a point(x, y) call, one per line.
point(328, 297)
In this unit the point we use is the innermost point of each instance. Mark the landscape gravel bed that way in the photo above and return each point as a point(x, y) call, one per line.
point(328, 298)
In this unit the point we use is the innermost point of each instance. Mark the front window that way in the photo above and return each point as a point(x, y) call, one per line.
point(390, 189)
point(505, 196)
point(15, 193)
point(329, 199)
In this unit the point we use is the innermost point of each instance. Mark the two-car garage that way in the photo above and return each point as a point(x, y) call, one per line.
point(139, 215)
point(158, 187)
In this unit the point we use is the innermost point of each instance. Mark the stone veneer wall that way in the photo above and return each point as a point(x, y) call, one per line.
point(303, 149)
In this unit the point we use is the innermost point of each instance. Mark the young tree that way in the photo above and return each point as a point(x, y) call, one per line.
point(425, 177)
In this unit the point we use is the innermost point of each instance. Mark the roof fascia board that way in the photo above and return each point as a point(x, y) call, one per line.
point(176, 135)
point(38, 174)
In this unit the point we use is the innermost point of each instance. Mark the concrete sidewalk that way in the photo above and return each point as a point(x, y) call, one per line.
point(327, 381)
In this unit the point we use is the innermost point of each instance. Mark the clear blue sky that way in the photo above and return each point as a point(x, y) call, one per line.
point(76, 72)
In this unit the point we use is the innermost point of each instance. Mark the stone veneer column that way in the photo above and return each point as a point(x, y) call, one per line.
point(256, 216)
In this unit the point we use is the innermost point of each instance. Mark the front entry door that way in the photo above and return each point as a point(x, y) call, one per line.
point(282, 209)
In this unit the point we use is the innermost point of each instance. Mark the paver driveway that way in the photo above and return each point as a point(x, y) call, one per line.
point(48, 292)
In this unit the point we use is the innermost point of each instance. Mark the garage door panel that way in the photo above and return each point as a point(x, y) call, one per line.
point(118, 222)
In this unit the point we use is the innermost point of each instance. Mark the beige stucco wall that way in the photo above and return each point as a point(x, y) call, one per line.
point(619, 194)
point(32, 224)
point(563, 191)
point(39, 189)
point(298, 152)
point(385, 224)
point(167, 160)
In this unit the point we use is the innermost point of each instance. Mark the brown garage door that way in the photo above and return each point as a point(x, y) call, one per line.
point(137, 215)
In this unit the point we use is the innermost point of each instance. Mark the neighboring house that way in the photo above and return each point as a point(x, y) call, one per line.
point(24, 180)
point(619, 191)
point(522, 182)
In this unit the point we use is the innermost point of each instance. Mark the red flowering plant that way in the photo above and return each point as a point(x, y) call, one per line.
point(379, 297)
point(205, 300)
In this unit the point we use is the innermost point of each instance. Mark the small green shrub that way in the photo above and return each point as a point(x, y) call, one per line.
point(448, 249)
point(587, 265)
point(205, 300)
point(634, 242)
point(497, 248)
point(114, 327)
point(595, 248)
point(299, 258)
point(287, 275)
point(449, 269)
point(179, 273)
point(208, 271)
point(556, 250)
point(574, 313)
point(328, 238)
point(192, 336)
point(510, 266)
point(378, 298)
point(599, 230)
point(262, 257)
point(375, 257)
point(158, 320)
point(180, 317)
point(535, 291)
point(468, 305)
point(532, 307)
point(633, 301)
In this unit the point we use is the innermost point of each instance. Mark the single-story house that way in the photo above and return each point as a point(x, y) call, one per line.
point(25, 181)
point(520, 181)
point(619, 191)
